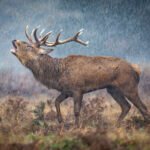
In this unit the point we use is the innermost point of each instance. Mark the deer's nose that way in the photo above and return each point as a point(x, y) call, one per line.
point(15, 41)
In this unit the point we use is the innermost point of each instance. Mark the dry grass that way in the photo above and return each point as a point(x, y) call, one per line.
point(98, 130)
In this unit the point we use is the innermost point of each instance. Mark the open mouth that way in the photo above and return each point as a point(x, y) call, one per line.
point(14, 44)
point(13, 50)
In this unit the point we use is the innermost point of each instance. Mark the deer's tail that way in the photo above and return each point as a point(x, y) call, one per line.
point(137, 71)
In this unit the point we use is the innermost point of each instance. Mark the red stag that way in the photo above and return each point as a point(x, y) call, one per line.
point(76, 75)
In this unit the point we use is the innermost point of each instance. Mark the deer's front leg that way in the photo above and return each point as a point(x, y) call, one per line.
point(58, 100)
point(77, 106)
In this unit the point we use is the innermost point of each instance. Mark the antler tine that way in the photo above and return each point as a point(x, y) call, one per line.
point(57, 39)
point(57, 42)
point(35, 35)
point(75, 38)
point(42, 31)
point(44, 39)
point(78, 40)
point(27, 35)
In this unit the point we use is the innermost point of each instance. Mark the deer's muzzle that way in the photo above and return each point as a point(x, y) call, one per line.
point(13, 50)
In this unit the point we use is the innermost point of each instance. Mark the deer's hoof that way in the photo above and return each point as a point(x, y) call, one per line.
point(60, 120)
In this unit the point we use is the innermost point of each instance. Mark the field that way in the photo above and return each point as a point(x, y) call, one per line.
point(28, 119)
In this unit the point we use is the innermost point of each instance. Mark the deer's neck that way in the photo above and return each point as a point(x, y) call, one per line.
point(46, 69)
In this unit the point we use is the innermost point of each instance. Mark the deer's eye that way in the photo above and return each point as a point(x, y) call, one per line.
point(24, 42)
point(29, 48)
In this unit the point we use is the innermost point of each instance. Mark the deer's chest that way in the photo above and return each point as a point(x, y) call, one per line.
point(48, 78)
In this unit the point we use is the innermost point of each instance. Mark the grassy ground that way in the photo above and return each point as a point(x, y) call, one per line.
point(31, 124)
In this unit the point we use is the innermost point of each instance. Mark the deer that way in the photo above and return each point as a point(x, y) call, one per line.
point(75, 75)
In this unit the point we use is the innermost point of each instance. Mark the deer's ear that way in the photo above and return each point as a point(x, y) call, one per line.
point(43, 51)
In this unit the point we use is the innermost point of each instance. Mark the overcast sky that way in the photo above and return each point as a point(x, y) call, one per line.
point(113, 27)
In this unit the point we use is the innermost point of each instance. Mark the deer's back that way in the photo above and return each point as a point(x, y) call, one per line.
point(89, 73)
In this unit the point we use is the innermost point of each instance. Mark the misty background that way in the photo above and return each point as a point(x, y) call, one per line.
point(113, 28)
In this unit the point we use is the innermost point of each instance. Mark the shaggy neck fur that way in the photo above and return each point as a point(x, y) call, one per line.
point(46, 69)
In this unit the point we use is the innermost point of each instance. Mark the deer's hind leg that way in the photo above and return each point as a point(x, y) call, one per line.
point(77, 96)
point(121, 100)
point(133, 96)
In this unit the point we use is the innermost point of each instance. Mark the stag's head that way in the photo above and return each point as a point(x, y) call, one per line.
point(38, 46)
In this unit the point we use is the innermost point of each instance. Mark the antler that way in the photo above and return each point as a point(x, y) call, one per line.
point(71, 39)
point(42, 41)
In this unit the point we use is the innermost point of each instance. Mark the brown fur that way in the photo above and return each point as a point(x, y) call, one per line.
point(75, 75)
